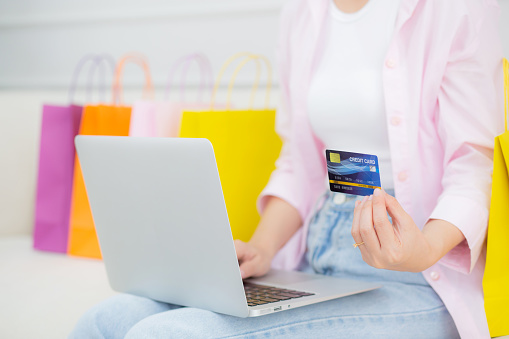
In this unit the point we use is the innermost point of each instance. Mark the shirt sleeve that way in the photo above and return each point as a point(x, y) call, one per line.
point(469, 117)
point(282, 180)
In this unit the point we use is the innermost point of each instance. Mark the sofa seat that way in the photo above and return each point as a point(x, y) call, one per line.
point(42, 295)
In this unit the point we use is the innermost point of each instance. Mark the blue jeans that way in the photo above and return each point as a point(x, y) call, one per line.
point(405, 307)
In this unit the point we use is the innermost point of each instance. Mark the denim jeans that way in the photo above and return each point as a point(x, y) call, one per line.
point(405, 307)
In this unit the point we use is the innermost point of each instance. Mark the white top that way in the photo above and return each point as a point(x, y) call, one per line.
point(346, 104)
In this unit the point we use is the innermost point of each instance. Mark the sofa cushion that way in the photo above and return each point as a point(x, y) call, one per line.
point(44, 294)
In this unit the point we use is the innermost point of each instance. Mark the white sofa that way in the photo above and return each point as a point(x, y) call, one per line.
point(42, 295)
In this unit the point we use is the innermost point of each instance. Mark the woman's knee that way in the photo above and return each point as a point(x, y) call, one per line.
point(115, 316)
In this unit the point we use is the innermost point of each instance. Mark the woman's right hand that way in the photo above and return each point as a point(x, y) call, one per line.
point(254, 261)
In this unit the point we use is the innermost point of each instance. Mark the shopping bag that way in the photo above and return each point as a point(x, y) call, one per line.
point(246, 147)
point(99, 120)
point(496, 274)
point(162, 119)
point(59, 126)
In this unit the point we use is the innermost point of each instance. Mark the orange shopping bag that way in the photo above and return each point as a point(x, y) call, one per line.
point(99, 120)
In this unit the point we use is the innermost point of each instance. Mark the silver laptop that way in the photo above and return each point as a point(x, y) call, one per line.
point(164, 234)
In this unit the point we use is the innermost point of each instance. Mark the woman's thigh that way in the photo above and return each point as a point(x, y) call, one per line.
point(115, 316)
point(394, 311)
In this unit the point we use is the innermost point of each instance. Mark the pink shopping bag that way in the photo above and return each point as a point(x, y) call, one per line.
point(162, 119)
point(60, 124)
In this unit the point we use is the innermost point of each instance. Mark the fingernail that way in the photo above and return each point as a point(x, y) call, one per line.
point(357, 203)
point(370, 197)
point(364, 199)
point(242, 274)
point(377, 192)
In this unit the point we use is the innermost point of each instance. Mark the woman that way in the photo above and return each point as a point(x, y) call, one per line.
point(416, 82)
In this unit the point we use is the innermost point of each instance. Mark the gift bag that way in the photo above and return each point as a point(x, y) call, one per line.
point(246, 147)
point(99, 120)
point(496, 274)
point(162, 119)
point(59, 126)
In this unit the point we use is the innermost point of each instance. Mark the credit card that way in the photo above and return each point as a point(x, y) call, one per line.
point(352, 173)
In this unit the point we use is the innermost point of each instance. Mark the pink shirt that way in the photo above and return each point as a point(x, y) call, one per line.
point(443, 88)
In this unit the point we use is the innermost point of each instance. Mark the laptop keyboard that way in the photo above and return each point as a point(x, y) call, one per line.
point(260, 294)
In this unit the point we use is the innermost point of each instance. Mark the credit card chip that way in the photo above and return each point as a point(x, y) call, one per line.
point(334, 157)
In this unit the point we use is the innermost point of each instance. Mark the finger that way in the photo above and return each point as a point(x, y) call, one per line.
point(383, 226)
point(356, 217)
point(242, 250)
point(249, 268)
point(244, 257)
point(367, 230)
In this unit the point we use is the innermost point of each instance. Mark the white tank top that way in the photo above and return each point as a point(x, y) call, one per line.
point(346, 105)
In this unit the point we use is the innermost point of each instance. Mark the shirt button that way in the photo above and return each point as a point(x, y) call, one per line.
point(395, 121)
point(402, 176)
point(339, 198)
point(434, 275)
point(390, 63)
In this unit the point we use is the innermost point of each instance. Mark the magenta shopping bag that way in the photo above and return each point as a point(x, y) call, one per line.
point(162, 119)
point(60, 124)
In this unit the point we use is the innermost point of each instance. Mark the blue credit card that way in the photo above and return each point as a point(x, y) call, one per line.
point(352, 173)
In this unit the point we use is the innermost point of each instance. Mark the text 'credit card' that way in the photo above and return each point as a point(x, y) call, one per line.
point(352, 173)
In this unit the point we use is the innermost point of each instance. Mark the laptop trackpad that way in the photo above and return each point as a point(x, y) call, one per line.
point(277, 277)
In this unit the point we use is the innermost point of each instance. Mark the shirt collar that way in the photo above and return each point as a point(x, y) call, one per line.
point(319, 9)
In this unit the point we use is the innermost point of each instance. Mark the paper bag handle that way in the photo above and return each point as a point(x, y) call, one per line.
point(111, 62)
point(205, 74)
point(269, 80)
point(148, 89)
point(247, 57)
point(97, 61)
point(506, 91)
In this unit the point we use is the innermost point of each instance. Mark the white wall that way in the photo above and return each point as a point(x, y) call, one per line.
point(40, 41)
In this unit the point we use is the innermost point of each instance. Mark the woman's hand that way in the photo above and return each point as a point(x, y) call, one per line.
point(278, 223)
point(253, 260)
point(400, 245)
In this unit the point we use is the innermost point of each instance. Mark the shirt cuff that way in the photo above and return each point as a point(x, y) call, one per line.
point(472, 220)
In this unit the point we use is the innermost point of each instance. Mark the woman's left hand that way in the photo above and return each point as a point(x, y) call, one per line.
point(400, 245)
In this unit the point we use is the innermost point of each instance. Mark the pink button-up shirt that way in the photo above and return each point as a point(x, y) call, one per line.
point(442, 81)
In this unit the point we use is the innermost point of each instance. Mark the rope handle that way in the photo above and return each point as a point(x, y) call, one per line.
point(140, 60)
point(246, 58)
point(105, 58)
point(506, 91)
point(184, 63)
point(97, 60)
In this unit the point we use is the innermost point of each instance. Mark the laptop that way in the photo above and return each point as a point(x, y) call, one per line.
point(164, 234)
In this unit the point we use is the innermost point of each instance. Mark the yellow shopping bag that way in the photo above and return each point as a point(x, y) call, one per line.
point(496, 274)
point(246, 147)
